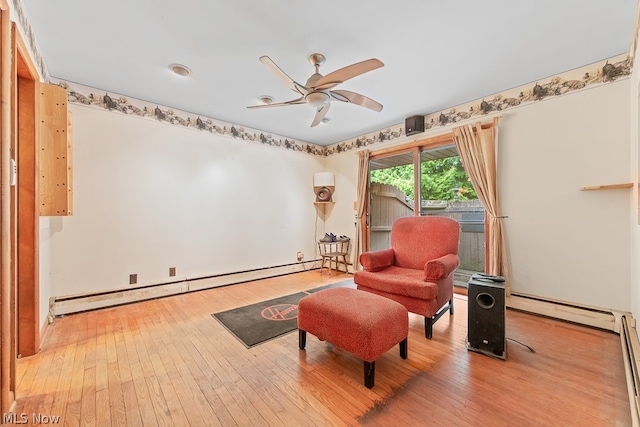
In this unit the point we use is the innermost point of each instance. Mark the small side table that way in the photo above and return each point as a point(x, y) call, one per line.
point(333, 251)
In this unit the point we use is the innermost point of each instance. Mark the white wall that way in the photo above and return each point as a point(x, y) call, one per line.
point(564, 244)
point(341, 219)
point(149, 196)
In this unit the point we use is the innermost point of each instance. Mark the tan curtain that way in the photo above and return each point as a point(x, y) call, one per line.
point(363, 182)
point(478, 153)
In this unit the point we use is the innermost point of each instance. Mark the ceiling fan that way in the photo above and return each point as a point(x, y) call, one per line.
point(317, 91)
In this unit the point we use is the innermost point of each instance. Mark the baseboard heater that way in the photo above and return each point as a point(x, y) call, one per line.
point(581, 314)
point(69, 304)
point(630, 354)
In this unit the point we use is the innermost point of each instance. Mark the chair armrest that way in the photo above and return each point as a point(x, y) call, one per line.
point(377, 260)
point(442, 267)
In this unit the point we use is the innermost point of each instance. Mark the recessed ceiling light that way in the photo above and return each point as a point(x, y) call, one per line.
point(325, 120)
point(266, 99)
point(180, 69)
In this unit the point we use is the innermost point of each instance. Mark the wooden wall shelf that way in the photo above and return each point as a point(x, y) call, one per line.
point(607, 187)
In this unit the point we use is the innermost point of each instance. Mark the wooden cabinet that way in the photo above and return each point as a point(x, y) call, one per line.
point(54, 152)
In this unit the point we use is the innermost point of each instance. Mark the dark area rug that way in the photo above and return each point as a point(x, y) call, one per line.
point(257, 323)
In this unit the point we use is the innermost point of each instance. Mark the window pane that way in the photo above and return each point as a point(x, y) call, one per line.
point(447, 191)
point(391, 194)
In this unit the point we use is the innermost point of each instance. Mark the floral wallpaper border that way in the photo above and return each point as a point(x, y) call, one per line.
point(109, 101)
point(603, 72)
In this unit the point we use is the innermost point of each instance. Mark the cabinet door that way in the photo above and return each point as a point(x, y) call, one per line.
point(54, 162)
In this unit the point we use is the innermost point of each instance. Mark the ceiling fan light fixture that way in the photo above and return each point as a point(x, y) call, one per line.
point(181, 70)
point(318, 90)
point(317, 99)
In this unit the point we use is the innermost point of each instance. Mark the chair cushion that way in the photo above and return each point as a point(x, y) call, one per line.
point(423, 307)
point(398, 280)
point(416, 240)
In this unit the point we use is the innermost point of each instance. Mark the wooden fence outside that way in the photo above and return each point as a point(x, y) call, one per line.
point(389, 203)
point(470, 216)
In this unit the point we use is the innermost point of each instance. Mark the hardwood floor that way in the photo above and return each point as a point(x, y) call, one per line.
point(169, 362)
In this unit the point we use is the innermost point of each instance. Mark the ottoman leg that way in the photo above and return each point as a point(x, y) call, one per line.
point(302, 339)
point(403, 348)
point(369, 373)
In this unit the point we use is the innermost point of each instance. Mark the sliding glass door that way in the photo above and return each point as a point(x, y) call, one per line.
point(424, 181)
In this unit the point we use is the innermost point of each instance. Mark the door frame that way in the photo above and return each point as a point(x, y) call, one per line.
point(19, 217)
point(25, 91)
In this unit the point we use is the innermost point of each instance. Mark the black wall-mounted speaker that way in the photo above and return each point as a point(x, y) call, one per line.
point(413, 125)
point(486, 316)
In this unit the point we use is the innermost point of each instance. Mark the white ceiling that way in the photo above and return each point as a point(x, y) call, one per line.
point(437, 54)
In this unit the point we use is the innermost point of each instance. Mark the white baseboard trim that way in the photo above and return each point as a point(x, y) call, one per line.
point(62, 305)
point(585, 315)
point(245, 276)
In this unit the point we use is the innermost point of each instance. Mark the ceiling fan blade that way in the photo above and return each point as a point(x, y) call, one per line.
point(322, 111)
point(280, 104)
point(346, 73)
point(293, 85)
point(356, 98)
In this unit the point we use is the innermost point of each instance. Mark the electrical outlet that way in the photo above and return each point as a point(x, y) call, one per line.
point(300, 256)
point(172, 271)
point(133, 279)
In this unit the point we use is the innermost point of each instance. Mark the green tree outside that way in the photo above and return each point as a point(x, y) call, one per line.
point(442, 179)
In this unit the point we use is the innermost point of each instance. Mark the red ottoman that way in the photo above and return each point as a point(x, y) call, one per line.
point(364, 324)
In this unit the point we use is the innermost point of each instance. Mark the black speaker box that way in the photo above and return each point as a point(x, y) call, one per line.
point(413, 125)
point(486, 320)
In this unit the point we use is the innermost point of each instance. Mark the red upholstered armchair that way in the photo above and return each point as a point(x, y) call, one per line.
point(417, 271)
